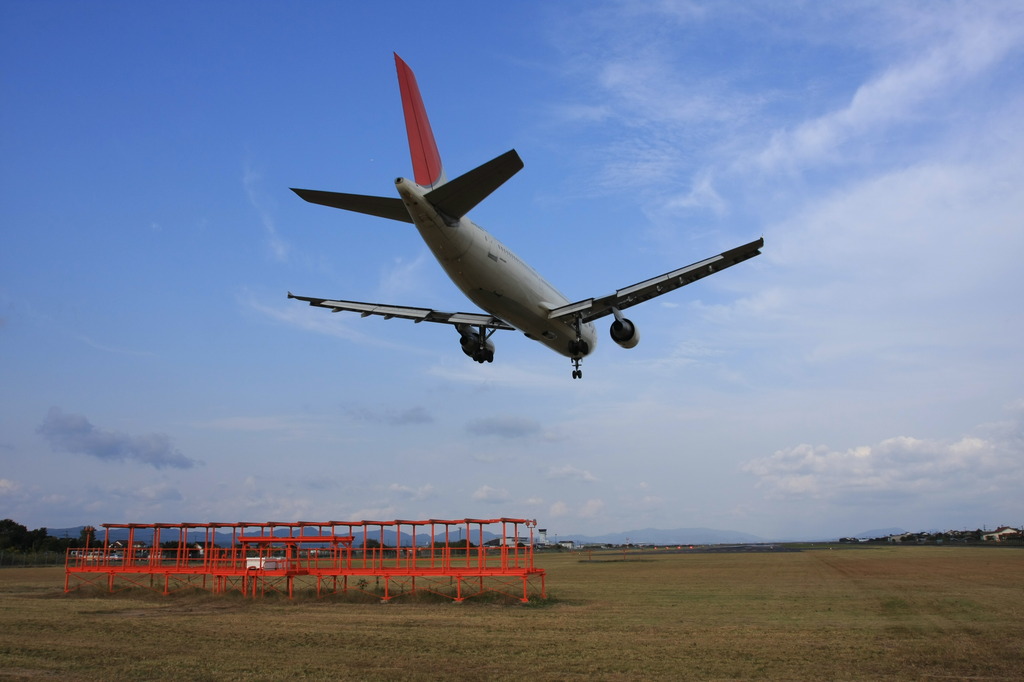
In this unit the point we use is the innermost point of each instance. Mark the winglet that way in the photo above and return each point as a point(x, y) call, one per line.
point(426, 161)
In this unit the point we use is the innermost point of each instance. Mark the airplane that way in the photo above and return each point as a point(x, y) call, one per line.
point(512, 294)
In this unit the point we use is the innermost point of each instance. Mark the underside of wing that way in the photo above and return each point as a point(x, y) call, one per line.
point(457, 197)
point(479, 320)
point(593, 308)
point(383, 207)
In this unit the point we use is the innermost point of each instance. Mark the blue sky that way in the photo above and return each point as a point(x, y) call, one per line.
point(866, 371)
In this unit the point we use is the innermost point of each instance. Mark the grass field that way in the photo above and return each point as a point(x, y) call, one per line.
point(843, 614)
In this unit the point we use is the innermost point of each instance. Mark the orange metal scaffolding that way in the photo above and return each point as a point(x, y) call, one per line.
point(319, 557)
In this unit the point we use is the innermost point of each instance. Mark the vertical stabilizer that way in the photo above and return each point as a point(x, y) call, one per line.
point(426, 162)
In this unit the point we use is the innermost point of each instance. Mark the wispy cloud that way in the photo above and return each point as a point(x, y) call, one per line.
point(147, 494)
point(76, 434)
point(591, 508)
point(588, 509)
point(106, 348)
point(570, 472)
point(558, 509)
point(412, 493)
point(486, 493)
point(708, 128)
point(402, 280)
point(340, 325)
point(965, 46)
point(279, 248)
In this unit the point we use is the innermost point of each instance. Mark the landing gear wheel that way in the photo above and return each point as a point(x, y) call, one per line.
point(483, 352)
point(579, 348)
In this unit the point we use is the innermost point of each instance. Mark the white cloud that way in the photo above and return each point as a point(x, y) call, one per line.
point(989, 461)
point(570, 472)
point(900, 94)
point(558, 509)
point(486, 493)
point(147, 494)
point(585, 510)
point(702, 194)
point(301, 316)
point(342, 325)
point(402, 280)
point(591, 509)
point(373, 513)
point(412, 493)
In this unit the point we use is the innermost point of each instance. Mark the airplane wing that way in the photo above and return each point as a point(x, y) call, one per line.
point(479, 320)
point(593, 308)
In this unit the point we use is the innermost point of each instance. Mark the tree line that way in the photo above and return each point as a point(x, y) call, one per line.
point(15, 537)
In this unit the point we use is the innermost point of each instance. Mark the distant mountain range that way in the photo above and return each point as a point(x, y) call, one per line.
point(657, 536)
point(650, 536)
point(74, 532)
point(646, 536)
point(878, 533)
point(224, 539)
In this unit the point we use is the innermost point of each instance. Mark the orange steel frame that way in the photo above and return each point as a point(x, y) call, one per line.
point(328, 558)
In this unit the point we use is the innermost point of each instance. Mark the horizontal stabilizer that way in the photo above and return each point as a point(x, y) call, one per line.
point(457, 197)
point(383, 207)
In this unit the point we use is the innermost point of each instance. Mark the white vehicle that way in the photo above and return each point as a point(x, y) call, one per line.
point(256, 563)
point(513, 295)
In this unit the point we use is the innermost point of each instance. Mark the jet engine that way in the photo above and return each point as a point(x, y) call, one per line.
point(475, 346)
point(623, 331)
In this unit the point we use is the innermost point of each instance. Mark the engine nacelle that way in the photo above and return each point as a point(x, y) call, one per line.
point(624, 332)
point(481, 350)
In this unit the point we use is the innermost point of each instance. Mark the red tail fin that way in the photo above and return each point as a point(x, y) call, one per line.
point(426, 162)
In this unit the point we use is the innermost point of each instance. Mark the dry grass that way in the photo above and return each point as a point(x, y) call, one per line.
point(858, 614)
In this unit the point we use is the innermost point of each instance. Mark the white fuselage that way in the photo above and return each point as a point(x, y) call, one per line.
point(493, 277)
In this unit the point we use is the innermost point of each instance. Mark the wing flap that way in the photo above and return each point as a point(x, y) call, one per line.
point(656, 283)
point(593, 308)
point(405, 312)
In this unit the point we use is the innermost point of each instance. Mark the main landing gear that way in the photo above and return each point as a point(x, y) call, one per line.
point(476, 344)
point(579, 348)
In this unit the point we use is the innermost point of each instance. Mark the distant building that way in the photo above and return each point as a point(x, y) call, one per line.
point(1000, 534)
